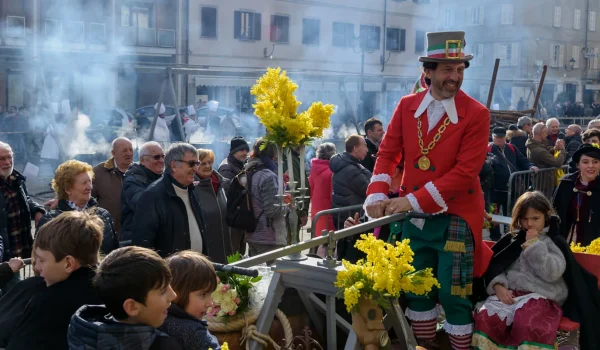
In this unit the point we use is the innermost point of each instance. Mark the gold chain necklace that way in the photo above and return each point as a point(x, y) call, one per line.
point(424, 162)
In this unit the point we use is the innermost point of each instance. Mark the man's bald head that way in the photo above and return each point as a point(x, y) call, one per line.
point(122, 151)
point(594, 124)
point(540, 131)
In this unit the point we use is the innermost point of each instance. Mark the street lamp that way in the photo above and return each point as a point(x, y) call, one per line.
point(571, 65)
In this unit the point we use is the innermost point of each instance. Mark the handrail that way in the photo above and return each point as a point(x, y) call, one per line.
point(329, 212)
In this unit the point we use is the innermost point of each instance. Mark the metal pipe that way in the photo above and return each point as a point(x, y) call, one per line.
point(384, 35)
point(331, 211)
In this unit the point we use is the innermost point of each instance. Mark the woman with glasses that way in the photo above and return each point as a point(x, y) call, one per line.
point(137, 178)
point(210, 193)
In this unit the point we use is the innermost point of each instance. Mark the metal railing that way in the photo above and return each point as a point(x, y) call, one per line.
point(519, 182)
point(341, 214)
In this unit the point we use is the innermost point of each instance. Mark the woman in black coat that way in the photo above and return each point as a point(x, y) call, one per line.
point(73, 186)
point(577, 197)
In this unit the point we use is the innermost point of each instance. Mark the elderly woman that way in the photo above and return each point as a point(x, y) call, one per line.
point(320, 184)
point(210, 193)
point(577, 197)
point(72, 184)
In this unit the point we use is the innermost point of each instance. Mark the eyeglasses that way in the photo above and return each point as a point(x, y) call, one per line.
point(156, 157)
point(190, 163)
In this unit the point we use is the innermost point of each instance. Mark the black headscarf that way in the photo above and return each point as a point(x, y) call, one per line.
point(582, 304)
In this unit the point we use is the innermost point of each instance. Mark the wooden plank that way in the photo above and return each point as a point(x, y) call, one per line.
point(493, 84)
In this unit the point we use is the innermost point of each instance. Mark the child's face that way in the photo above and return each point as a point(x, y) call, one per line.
point(51, 270)
point(198, 303)
point(157, 303)
point(533, 220)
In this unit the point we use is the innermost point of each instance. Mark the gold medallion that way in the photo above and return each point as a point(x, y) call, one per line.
point(424, 163)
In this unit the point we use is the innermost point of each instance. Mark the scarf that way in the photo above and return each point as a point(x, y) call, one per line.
point(17, 219)
point(234, 162)
point(269, 163)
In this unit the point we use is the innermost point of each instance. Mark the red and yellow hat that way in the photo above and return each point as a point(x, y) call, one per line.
point(446, 47)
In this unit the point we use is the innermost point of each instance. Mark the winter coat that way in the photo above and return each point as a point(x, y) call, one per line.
point(30, 206)
point(562, 204)
point(542, 155)
point(109, 235)
point(190, 332)
point(160, 221)
point(137, 179)
point(518, 139)
point(92, 328)
point(214, 211)
point(502, 169)
point(572, 143)
point(321, 185)
point(350, 180)
point(228, 168)
point(14, 304)
point(369, 161)
point(46, 318)
point(271, 227)
point(108, 181)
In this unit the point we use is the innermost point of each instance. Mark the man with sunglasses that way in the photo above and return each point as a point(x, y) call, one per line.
point(168, 217)
point(137, 179)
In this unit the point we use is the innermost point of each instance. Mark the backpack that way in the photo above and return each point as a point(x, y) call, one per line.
point(511, 146)
point(240, 212)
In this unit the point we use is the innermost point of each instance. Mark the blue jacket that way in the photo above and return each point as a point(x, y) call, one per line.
point(92, 327)
point(190, 332)
point(502, 170)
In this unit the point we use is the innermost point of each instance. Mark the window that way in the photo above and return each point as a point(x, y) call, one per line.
point(311, 30)
point(343, 34)
point(97, 33)
point(136, 15)
point(475, 16)
point(208, 22)
point(507, 14)
point(478, 55)
point(280, 29)
point(422, 2)
point(53, 29)
point(74, 31)
point(15, 27)
point(247, 25)
point(557, 16)
point(577, 19)
point(448, 18)
point(420, 41)
point(507, 53)
point(370, 37)
point(556, 55)
point(576, 52)
point(592, 21)
point(396, 39)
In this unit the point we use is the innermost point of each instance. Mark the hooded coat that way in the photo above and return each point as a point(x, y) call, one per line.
point(92, 327)
point(518, 138)
point(320, 180)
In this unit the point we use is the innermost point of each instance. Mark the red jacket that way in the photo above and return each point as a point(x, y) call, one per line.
point(320, 193)
point(451, 185)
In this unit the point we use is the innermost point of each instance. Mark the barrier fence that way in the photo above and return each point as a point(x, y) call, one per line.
point(519, 182)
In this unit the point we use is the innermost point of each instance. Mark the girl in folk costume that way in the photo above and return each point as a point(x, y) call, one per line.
point(440, 136)
point(531, 275)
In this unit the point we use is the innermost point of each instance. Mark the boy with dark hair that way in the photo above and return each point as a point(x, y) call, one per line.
point(65, 256)
point(134, 285)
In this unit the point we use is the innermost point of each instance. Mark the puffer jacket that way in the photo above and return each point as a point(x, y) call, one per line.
point(108, 181)
point(137, 179)
point(92, 327)
point(350, 180)
point(320, 183)
point(271, 227)
point(214, 211)
point(572, 143)
point(190, 332)
point(110, 241)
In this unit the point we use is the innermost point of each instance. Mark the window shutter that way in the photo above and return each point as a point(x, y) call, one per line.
point(576, 52)
point(480, 19)
point(514, 58)
point(256, 26)
point(552, 61)
point(577, 19)
point(469, 14)
point(496, 51)
point(561, 56)
point(479, 58)
point(237, 24)
point(592, 24)
point(402, 39)
point(596, 58)
point(557, 16)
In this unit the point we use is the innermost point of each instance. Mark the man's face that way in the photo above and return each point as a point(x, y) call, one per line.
point(123, 153)
point(593, 139)
point(569, 132)
point(6, 163)
point(154, 160)
point(51, 270)
point(154, 311)
point(360, 151)
point(500, 141)
point(377, 133)
point(553, 128)
point(184, 170)
point(446, 80)
point(544, 133)
point(241, 155)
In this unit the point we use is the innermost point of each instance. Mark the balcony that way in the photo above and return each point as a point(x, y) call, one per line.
point(592, 74)
point(148, 37)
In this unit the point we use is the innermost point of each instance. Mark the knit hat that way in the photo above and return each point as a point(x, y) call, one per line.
point(238, 144)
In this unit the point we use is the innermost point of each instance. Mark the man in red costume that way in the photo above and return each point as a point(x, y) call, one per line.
point(443, 134)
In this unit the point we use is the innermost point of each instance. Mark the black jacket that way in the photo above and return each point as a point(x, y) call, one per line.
point(519, 141)
point(502, 169)
point(160, 221)
point(137, 179)
point(572, 143)
point(562, 204)
point(30, 206)
point(190, 332)
point(46, 317)
point(350, 180)
point(13, 304)
point(109, 236)
point(92, 327)
point(369, 161)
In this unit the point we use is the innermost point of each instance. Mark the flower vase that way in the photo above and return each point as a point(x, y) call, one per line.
point(367, 323)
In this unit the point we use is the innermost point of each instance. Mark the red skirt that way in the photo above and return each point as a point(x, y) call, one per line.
point(531, 323)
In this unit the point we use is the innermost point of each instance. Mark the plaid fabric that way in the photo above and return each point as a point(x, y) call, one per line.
point(460, 242)
point(16, 218)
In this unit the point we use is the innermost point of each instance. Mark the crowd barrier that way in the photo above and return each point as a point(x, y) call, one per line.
point(519, 182)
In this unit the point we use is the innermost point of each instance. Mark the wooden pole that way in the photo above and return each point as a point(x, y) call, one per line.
point(171, 88)
point(539, 90)
point(492, 84)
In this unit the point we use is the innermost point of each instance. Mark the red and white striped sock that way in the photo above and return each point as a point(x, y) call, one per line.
point(424, 330)
point(460, 342)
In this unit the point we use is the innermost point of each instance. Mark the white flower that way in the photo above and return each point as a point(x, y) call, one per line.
point(217, 297)
point(221, 313)
point(228, 306)
point(233, 293)
point(226, 297)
